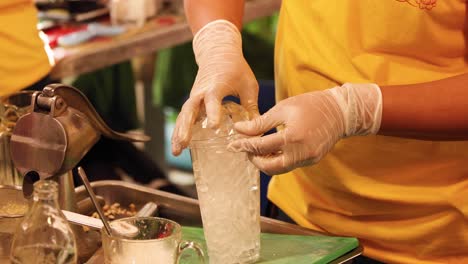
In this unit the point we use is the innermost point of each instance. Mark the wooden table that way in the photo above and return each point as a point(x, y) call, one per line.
point(146, 40)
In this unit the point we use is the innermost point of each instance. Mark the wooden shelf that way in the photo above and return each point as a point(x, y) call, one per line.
point(152, 37)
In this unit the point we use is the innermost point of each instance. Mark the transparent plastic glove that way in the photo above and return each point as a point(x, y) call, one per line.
point(312, 124)
point(222, 71)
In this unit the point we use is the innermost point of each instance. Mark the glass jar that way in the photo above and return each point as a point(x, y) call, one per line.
point(157, 240)
point(228, 191)
point(13, 207)
point(12, 107)
point(44, 236)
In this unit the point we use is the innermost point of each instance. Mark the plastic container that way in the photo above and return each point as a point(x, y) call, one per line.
point(228, 190)
point(132, 12)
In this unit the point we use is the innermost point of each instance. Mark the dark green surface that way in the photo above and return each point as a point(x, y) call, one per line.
point(111, 91)
point(281, 249)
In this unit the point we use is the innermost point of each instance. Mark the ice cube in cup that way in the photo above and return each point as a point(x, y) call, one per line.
point(228, 190)
point(230, 114)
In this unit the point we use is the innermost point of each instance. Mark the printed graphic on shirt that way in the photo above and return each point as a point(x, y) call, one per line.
point(422, 4)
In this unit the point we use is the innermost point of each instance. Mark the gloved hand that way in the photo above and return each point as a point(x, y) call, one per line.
point(312, 124)
point(222, 71)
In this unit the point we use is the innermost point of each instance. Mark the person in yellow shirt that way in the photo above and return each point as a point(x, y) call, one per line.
point(23, 60)
point(394, 70)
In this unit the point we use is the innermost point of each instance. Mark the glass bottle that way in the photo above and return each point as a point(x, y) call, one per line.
point(44, 236)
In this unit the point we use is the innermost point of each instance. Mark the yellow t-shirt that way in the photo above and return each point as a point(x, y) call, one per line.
point(23, 60)
point(406, 200)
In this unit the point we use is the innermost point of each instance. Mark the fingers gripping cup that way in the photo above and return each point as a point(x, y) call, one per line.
point(228, 190)
point(158, 241)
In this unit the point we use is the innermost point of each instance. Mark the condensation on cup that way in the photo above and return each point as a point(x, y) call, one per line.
point(228, 190)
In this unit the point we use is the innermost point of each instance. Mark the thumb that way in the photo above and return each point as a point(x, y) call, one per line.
point(260, 124)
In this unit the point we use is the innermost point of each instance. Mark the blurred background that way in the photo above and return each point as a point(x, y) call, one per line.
point(133, 59)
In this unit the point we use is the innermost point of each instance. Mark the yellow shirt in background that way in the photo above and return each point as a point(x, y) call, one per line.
point(23, 60)
point(406, 200)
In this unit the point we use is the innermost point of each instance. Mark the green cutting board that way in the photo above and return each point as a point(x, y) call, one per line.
point(281, 249)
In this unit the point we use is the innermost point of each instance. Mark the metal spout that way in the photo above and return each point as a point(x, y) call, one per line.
point(60, 130)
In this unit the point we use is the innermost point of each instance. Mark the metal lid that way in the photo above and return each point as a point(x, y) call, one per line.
point(38, 143)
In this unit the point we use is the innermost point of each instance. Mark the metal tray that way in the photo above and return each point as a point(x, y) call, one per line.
point(184, 210)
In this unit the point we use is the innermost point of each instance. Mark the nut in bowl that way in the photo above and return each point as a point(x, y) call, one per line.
point(158, 240)
point(116, 211)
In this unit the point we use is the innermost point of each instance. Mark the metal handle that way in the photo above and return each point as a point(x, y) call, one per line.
point(88, 187)
point(76, 99)
point(184, 245)
point(149, 209)
point(123, 229)
point(83, 220)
